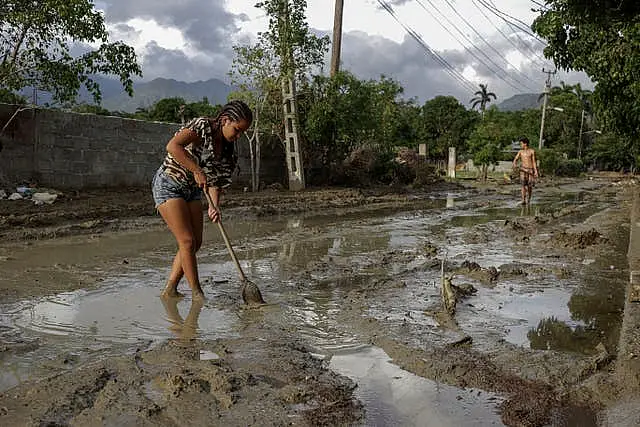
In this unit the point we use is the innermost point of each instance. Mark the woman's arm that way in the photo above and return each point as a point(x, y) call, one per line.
point(177, 148)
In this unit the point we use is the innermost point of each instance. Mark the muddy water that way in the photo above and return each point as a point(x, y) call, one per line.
point(308, 269)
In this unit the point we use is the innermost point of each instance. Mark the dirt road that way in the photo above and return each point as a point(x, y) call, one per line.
point(354, 333)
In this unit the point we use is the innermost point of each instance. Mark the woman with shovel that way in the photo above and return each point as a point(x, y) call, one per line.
point(200, 158)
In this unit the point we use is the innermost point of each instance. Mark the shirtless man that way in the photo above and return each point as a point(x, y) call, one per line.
point(528, 169)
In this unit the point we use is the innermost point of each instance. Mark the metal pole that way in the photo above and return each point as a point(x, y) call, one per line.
point(337, 38)
point(580, 139)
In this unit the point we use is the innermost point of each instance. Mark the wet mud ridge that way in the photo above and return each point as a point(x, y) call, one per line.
point(190, 383)
point(355, 332)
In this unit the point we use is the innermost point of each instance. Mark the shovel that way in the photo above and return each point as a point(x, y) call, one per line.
point(250, 292)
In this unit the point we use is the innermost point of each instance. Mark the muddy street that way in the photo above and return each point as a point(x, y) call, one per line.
point(354, 332)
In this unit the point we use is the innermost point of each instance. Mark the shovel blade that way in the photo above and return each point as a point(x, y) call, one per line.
point(251, 294)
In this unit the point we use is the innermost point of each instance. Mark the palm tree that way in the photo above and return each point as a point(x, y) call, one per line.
point(482, 98)
point(563, 88)
point(557, 90)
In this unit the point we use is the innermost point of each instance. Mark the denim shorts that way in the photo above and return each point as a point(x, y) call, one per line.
point(165, 187)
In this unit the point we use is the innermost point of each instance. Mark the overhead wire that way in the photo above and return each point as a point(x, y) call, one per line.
point(522, 26)
point(537, 57)
point(515, 28)
point(442, 61)
point(481, 37)
point(470, 52)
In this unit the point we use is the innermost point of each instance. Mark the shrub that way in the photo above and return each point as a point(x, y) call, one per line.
point(571, 167)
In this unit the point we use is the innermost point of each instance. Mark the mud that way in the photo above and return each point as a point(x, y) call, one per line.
point(354, 331)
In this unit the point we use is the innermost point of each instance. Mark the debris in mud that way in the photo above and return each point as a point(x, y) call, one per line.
point(430, 250)
point(473, 270)
point(451, 293)
point(580, 240)
point(513, 270)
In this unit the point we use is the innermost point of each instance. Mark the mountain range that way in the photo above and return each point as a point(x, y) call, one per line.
point(114, 98)
point(145, 94)
point(523, 101)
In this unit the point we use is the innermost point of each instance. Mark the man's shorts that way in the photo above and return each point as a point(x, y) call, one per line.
point(527, 177)
point(164, 187)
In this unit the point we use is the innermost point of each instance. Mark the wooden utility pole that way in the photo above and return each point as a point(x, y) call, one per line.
point(337, 38)
point(547, 90)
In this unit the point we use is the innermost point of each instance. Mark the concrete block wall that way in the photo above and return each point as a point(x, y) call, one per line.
point(65, 150)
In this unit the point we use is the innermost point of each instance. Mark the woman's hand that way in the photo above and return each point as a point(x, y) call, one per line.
point(200, 178)
point(213, 213)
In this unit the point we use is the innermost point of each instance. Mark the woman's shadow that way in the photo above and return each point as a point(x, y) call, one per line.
point(186, 329)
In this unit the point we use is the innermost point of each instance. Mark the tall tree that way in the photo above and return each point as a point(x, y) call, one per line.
point(447, 123)
point(482, 98)
point(601, 38)
point(291, 51)
point(38, 38)
point(255, 73)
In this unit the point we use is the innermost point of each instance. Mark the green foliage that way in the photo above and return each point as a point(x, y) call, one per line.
point(176, 110)
point(570, 167)
point(601, 38)
point(8, 97)
point(36, 48)
point(550, 160)
point(343, 112)
point(91, 109)
point(290, 38)
point(612, 152)
point(446, 123)
point(486, 144)
point(482, 98)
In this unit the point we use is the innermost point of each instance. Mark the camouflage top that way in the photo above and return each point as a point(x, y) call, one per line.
point(216, 162)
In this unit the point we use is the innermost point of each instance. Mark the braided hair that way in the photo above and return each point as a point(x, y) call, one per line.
point(235, 111)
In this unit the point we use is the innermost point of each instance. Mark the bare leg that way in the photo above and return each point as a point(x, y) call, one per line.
point(171, 289)
point(530, 190)
point(523, 190)
point(177, 214)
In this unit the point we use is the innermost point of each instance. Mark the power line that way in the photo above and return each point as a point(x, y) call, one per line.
point(522, 26)
point(489, 45)
point(539, 59)
point(447, 66)
point(464, 46)
point(515, 28)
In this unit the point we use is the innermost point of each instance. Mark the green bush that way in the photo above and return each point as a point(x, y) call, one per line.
point(571, 167)
point(549, 160)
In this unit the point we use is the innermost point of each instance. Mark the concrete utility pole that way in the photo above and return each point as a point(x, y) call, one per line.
point(547, 90)
point(290, 108)
point(337, 38)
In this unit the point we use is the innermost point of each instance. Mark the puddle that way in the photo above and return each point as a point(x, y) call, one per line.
point(308, 267)
point(395, 397)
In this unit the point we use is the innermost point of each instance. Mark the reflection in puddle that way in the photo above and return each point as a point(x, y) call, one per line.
point(121, 316)
point(395, 397)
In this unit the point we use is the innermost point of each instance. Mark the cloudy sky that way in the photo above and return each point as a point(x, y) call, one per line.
point(471, 41)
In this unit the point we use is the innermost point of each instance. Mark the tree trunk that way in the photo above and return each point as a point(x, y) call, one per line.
point(257, 180)
point(252, 159)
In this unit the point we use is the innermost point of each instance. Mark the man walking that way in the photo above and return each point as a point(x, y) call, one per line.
point(528, 169)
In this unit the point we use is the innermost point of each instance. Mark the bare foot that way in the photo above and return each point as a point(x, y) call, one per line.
point(198, 296)
point(171, 293)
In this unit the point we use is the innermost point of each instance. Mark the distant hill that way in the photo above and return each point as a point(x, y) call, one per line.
point(146, 94)
point(114, 98)
point(520, 102)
